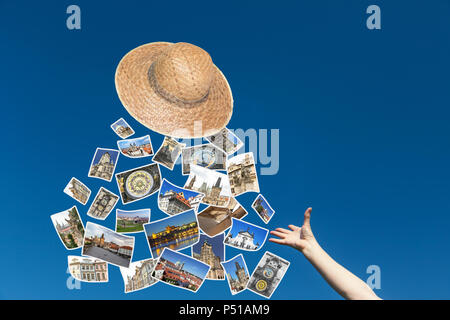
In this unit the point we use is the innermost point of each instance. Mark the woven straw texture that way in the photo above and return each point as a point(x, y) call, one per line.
point(174, 89)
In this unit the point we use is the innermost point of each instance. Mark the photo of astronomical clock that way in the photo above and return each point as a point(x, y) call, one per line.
point(138, 183)
point(206, 156)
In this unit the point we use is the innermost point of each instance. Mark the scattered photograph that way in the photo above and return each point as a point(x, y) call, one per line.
point(262, 208)
point(180, 270)
point(69, 227)
point(246, 236)
point(136, 148)
point(103, 164)
point(87, 269)
point(206, 156)
point(242, 175)
point(131, 221)
point(122, 128)
point(214, 185)
point(139, 275)
point(214, 220)
point(211, 251)
point(175, 232)
point(103, 204)
point(267, 275)
point(226, 141)
point(173, 199)
point(78, 191)
point(138, 183)
point(168, 153)
point(237, 274)
point(107, 245)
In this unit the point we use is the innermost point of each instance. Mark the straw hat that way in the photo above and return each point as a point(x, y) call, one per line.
point(174, 89)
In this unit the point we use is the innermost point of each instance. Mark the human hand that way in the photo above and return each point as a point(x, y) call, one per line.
point(300, 238)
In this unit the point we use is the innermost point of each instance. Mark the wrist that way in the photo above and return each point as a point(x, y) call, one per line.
point(311, 249)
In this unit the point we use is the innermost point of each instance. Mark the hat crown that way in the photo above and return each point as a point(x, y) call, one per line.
point(184, 71)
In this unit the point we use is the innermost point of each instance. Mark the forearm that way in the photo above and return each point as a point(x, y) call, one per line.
point(340, 279)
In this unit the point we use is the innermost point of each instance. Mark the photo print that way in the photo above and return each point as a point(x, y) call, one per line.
point(69, 227)
point(168, 153)
point(180, 270)
point(212, 252)
point(226, 141)
point(206, 156)
point(262, 208)
point(175, 232)
point(87, 269)
point(242, 175)
point(214, 185)
point(78, 191)
point(173, 199)
point(214, 220)
point(103, 164)
point(131, 221)
point(136, 147)
point(107, 245)
point(246, 236)
point(104, 202)
point(237, 274)
point(139, 275)
point(122, 128)
point(267, 275)
point(138, 183)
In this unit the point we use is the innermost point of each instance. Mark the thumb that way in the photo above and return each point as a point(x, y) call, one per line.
point(307, 218)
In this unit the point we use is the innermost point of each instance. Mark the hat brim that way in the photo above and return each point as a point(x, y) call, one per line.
point(201, 119)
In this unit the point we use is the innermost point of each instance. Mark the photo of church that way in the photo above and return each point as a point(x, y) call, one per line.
point(173, 199)
point(206, 156)
point(103, 164)
point(237, 274)
point(122, 128)
point(214, 220)
point(226, 141)
point(214, 185)
point(103, 204)
point(136, 147)
point(246, 236)
point(212, 252)
point(168, 153)
point(241, 172)
point(78, 191)
point(139, 275)
point(263, 208)
point(69, 227)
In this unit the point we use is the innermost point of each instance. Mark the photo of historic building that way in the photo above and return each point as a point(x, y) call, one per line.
point(173, 199)
point(212, 252)
point(69, 227)
point(103, 164)
point(139, 275)
point(241, 172)
point(180, 270)
point(136, 148)
point(262, 208)
point(214, 185)
point(226, 141)
point(237, 274)
point(175, 232)
point(168, 153)
point(138, 183)
point(214, 220)
point(131, 221)
point(122, 128)
point(267, 275)
point(78, 191)
point(246, 236)
point(88, 269)
point(103, 204)
point(206, 156)
point(105, 244)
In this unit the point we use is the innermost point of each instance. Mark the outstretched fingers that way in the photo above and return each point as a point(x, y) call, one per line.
point(278, 234)
point(279, 241)
point(307, 219)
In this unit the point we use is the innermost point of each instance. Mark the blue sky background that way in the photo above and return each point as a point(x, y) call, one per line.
point(191, 265)
point(363, 118)
point(216, 242)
